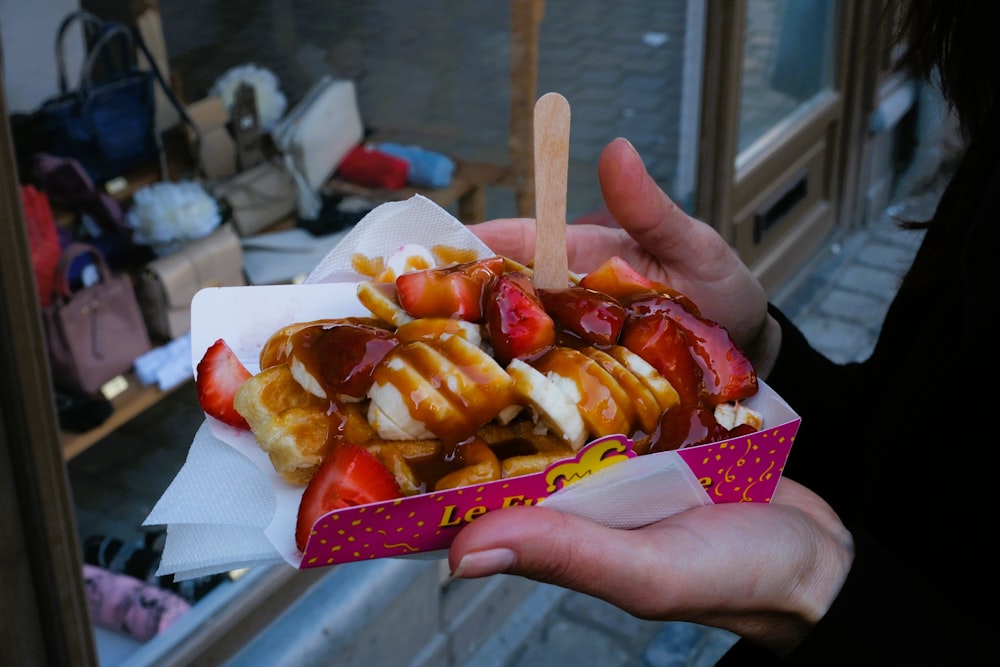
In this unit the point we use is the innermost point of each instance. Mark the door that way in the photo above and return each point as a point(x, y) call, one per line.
point(44, 612)
point(775, 105)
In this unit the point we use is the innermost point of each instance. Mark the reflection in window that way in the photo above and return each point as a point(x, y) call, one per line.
point(788, 60)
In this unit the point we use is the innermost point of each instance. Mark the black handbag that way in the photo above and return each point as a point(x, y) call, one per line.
point(108, 123)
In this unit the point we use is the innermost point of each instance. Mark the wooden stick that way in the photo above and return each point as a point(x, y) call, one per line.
point(551, 137)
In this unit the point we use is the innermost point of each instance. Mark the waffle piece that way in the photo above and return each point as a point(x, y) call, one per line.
point(288, 422)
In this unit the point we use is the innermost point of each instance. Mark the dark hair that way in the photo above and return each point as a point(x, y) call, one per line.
point(953, 43)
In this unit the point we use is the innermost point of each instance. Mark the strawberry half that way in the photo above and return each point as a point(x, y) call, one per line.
point(516, 320)
point(727, 374)
point(452, 291)
point(590, 316)
point(220, 375)
point(616, 278)
point(349, 476)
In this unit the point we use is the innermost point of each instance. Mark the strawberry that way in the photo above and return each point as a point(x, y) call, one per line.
point(687, 426)
point(587, 315)
point(452, 291)
point(349, 476)
point(516, 320)
point(727, 373)
point(616, 278)
point(220, 374)
point(662, 342)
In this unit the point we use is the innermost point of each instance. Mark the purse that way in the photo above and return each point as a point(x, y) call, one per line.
point(258, 197)
point(167, 284)
point(43, 238)
point(107, 123)
point(93, 333)
point(316, 135)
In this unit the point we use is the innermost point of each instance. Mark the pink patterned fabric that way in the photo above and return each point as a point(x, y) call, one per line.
point(125, 604)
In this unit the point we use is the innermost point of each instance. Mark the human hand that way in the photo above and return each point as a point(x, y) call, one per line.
point(767, 572)
point(662, 242)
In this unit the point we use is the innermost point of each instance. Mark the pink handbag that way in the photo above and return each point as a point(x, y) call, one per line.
point(94, 333)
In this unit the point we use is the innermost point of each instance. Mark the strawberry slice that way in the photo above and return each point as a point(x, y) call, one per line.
point(663, 343)
point(349, 476)
point(616, 278)
point(587, 315)
point(220, 375)
point(727, 373)
point(516, 320)
point(452, 291)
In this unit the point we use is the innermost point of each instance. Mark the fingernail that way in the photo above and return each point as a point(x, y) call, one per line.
point(484, 563)
point(629, 144)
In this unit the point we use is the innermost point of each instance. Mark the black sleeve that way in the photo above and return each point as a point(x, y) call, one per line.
point(884, 615)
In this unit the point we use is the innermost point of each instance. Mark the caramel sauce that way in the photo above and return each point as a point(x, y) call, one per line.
point(451, 255)
point(342, 356)
point(604, 405)
point(449, 384)
point(367, 266)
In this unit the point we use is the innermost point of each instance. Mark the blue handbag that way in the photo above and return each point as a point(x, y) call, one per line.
point(108, 123)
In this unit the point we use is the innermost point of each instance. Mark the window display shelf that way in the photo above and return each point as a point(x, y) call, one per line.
point(131, 402)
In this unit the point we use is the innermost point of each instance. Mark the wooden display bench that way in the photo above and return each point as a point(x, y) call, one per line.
point(130, 403)
point(467, 189)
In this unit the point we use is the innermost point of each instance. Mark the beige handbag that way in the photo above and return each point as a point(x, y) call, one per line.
point(259, 197)
point(167, 284)
point(316, 135)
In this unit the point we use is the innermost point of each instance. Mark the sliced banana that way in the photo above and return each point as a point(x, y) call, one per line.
point(389, 411)
point(557, 411)
point(381, 300)
point(431, 328)
point(410, 257)
point(646, 407)
point(604, 405)
point(306, 379)
point(732, 415)
point(664, 392)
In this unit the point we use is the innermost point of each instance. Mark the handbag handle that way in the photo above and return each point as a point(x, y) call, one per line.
point(108, 30)
point(89, 20)
point(73, 251)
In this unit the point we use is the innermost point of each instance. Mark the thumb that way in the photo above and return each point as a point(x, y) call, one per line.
point(645, 211)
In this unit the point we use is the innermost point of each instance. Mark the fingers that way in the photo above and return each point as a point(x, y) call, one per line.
point(510, 237)
point(648, 214)
point(552, 547)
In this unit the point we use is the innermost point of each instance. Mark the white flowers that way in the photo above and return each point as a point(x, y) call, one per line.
point(271, 102)
point(167, 215)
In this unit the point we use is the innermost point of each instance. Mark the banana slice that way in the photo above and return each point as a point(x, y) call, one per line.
point(447, 386)
point(552, 407)
point(605, 406)
point(732, 415)
point(431, 328)
point(381, 300)
point(410, 257)
point(646, 407)
point(664, 392)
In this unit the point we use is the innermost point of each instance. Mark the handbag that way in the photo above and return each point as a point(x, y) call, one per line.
point(258, 197)
point(316, 135)
point(167, 284)
point(43, 238)
point(107, 123)
point(94, 333)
